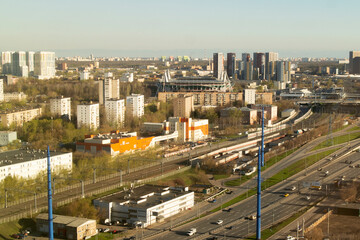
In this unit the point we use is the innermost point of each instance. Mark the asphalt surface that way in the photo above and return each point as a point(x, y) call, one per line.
point(274, 205)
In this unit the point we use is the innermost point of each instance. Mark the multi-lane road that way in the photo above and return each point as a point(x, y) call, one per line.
point(274, 205)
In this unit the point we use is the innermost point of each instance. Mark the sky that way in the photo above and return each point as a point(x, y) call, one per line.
point(146, 28)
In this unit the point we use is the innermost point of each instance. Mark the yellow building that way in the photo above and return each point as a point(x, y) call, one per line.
point(19, 117)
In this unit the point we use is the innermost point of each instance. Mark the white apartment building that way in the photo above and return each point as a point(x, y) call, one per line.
point(7, 137)
point(115, 111)
point(249, 96)
point(135, 105)
point(29, 163)
point(127, 77)
point(145, 205)
point(88, 115)
point(44, 67)
point(6, 62)
point(84, 75)
point(1, 90)
point(108, 88)
point(61, 107)
point(18, 118)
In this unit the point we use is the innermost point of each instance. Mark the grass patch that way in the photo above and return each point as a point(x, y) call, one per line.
point(7, 229)
point(337, 140)
point(269, 163)
point(353, 129)
point(186, 178)
point(280, 176)
point(221, 176)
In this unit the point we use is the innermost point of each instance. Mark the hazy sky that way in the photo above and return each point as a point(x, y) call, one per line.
point(310, 28)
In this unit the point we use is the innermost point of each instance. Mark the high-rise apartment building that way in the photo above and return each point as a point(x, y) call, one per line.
point(218, 64)
point(30, 62)
point(6, 62)
point(19, 67)
point(259, 64)
point(115, 111)
point(135, 105)
point(283, 73)
point(183, 106)
point(231, 64)
point(44, 67)
point(245, 57)
point(88, 115)
point(270, 64)
point(352, 55)
point(61, 106)
point(248, 72)
point(108, 88)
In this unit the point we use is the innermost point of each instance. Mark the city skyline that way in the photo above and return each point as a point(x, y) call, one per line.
point(154, 28)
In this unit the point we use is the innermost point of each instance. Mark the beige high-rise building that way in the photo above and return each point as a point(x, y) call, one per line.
point(352, 63)
point(183, 105)
point(44, 65)
point(108, 88)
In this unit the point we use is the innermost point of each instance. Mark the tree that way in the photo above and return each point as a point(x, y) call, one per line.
point(79, 208)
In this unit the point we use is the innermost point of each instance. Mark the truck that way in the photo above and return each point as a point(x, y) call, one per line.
point(191, 231)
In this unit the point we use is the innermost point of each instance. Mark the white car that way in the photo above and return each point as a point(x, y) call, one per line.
point(191, 232)
point(106, 230)
point(290, 237)
point(219, 222)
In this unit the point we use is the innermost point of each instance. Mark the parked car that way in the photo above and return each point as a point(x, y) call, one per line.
point(218, 222)
point(286, 195)
point(106, 230)
point(252, 217)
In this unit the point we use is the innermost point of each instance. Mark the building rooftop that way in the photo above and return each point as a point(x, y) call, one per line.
point(66, 220)
point(146, 196)
point(24, 155)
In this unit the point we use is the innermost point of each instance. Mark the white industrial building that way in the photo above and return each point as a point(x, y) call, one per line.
point(61, 106)
point(135, 105)
point(7, 137)
point(88, 115)
point(26, 163)
point(145, 205)
point(115, 111)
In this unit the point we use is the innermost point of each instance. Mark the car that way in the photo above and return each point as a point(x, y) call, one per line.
point(218, 222)
point(227, 209)
point(229, 192)
point(229, 227)
point(106, 230)
point(290, 237)
point(115, 223)
point(100, 230)
point(351, 166)
point(326, 173)
point(16, 236)
point(330, 158)
point(286, 195)
point(319, 169)
point(115, 231)
point(308, 198)
point(191, 231)
point(292, 188)
point(213, 201)
point(212, 238)
point(252, 217)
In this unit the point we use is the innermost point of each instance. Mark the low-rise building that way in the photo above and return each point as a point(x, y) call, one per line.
point(14, 96)
point(7, 137)
point(205, 98)
point(27, 163)
point(67, 227)
point(117, 142)
point(19, 117)
point(145, 205)
point(264, 98)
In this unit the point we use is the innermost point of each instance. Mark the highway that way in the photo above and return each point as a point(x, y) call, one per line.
point(274, 205)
